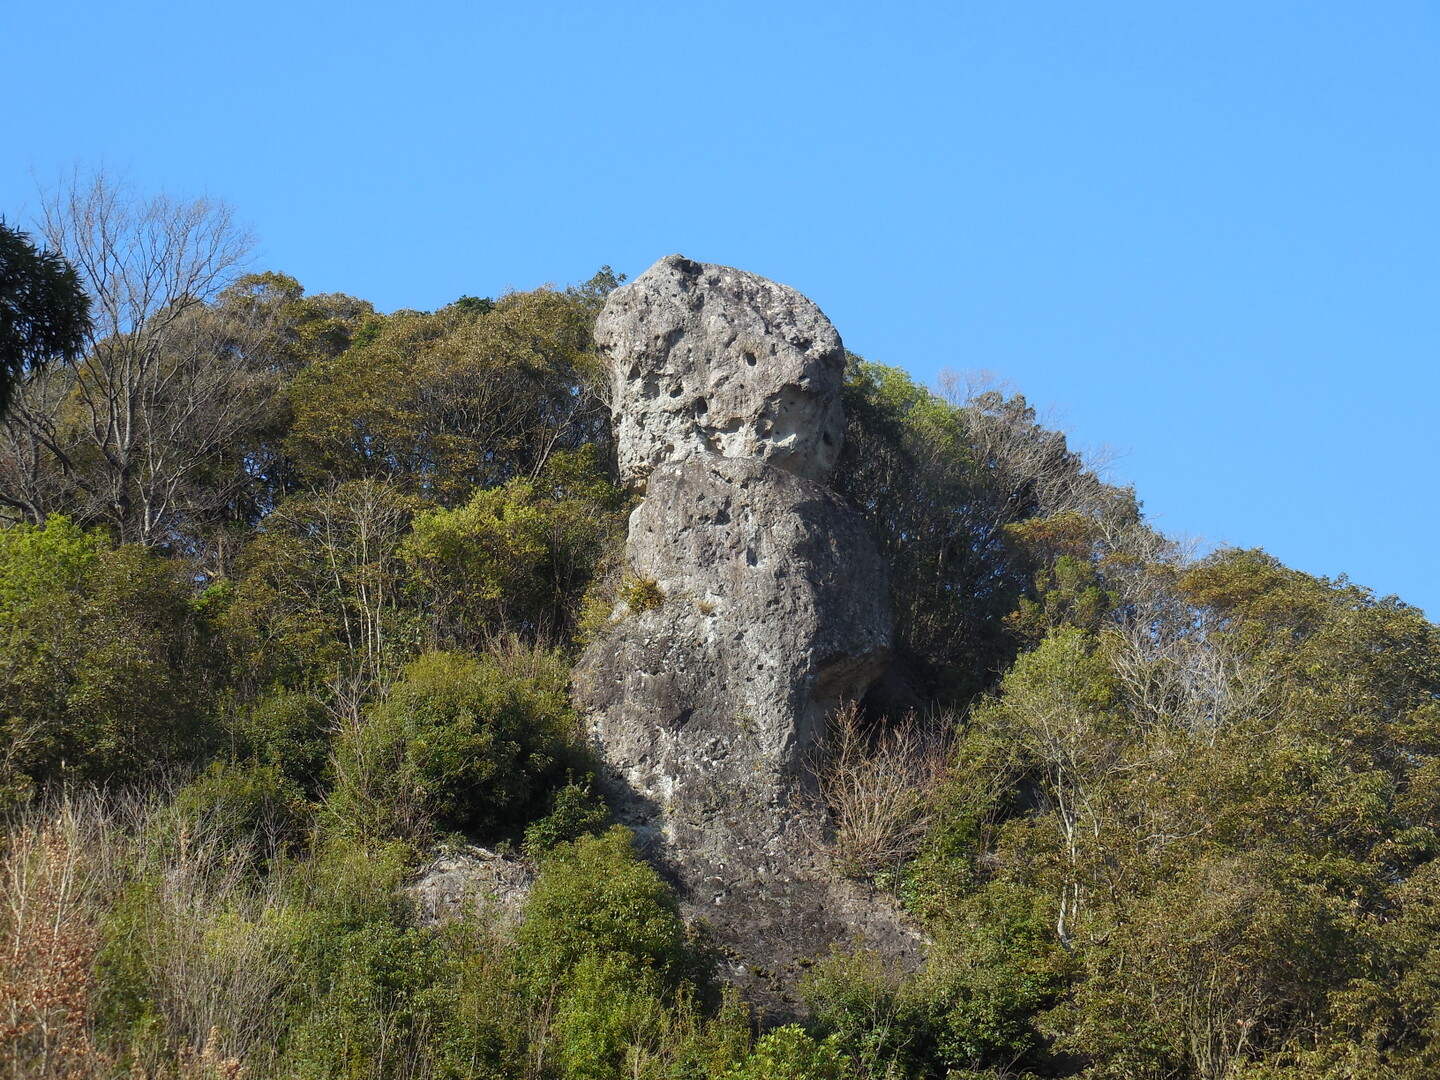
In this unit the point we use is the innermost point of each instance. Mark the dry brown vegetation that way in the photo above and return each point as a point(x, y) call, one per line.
point(49, 875)
point(61, 870)
point(879, 785)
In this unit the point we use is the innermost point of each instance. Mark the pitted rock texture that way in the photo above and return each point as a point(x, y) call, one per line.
point(774, 609)
point(708, 708)
point(710, 359)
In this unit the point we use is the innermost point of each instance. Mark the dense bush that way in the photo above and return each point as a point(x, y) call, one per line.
point(244, 803)
point(790, 1053)
point(461, 743)
point(597, 898)
point(107, 665)
point(285, 730)
point(868, 1008)
point(573, 810)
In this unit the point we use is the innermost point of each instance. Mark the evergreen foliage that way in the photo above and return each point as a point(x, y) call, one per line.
point(460, 744)
point(44, 310)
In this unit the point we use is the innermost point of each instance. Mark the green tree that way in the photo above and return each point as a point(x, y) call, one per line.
point(516, 558)
point(460, 399)
point(316, 602)
point(265, 327)
point(1216, 793)
point(44, 311)
point(939, 479)
point(107, 661)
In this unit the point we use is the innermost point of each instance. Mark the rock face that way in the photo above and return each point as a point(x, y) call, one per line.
point(709, 359)
point(774, 608)
point(457, 882)
point(763, 604)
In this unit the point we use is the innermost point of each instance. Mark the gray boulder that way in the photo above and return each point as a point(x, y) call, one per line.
point(462, 882)
point(709, 359)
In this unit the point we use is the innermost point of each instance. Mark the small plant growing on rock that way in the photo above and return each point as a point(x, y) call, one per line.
point(641, 594)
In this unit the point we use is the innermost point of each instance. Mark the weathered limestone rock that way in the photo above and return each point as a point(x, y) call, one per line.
point(712, 359)
point(764, 604)
point(774, 608)
point(456, 882)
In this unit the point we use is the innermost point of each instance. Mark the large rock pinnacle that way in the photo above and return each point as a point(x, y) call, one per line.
point(757, 603)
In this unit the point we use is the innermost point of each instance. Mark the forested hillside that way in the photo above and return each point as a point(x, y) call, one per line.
point(290, 592)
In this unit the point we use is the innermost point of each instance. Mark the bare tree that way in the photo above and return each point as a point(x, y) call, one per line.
point(1031, 466)
point(162, 387)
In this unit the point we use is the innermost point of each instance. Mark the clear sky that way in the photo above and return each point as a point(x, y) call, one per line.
point(1206, 234)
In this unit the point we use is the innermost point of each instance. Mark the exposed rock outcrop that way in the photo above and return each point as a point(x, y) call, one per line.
point(760, 603)
point(709, 359)
point(460, 881)
point(773, 609)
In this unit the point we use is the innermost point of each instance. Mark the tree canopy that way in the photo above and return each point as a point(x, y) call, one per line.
point(44, 310)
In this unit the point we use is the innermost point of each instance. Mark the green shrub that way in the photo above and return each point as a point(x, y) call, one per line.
point(288, 731)
point(603, 948)
point(788, 1053)
point(244, 805)
point(481, 1035)
point(612, 1019)
point(641, 594)
point(383, 997)
point(461, 744)
point(384, 988)
point(349, 883)
point(517, 557)
point(708, 1046)
point(596, 897)
point(370, 980)
point(574, 811)
point(872, 1011)
point(107, 673)
point(988, 980)
point(608, 1017)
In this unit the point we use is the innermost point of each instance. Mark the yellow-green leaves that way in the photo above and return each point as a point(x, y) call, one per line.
point(515, 558)
point(443, 403)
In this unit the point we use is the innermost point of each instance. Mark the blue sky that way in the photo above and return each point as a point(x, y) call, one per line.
point(1207, 235)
